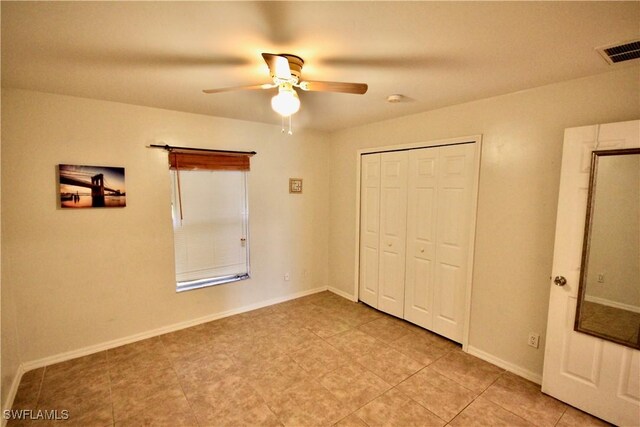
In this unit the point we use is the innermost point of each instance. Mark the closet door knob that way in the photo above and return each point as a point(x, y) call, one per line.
point(389, 244)
point(421, 250)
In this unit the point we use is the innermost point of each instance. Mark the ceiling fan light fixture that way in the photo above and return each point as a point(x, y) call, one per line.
point(286, 102)
point(285, 71)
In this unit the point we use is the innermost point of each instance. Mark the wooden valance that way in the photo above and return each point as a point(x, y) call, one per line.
point(208, 161)
point(184, 158)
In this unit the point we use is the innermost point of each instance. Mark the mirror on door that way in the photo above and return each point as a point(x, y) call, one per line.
point(609, 293)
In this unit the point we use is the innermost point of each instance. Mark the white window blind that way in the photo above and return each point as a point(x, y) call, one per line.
point(211, 238)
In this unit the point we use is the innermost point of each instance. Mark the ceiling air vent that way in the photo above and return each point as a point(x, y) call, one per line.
point(621, 52)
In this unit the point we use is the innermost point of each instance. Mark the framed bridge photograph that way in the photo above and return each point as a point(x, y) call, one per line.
point(91, 187)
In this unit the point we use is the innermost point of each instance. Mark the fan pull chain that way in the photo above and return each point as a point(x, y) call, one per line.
point(282, 126)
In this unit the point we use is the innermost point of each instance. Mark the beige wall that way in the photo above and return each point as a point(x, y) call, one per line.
point(10, 357)
point(519, 177)
point(88, 276)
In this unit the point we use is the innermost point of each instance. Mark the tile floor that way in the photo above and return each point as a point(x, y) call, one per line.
point(320, 360)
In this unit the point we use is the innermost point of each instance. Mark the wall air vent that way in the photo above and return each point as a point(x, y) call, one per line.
point(620, 52)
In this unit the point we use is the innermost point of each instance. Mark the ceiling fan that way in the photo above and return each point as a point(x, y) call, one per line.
point(285, 70)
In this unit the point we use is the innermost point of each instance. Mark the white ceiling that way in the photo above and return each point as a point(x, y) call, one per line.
point(162, 54)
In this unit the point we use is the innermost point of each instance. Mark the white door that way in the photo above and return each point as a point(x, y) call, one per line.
point(456, 175)
point(421, 236)
point(597, 376)
point(369, 228)
point(439, 216)
point(393, 229)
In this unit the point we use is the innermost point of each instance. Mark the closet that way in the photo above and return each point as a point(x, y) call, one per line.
point(417, 208)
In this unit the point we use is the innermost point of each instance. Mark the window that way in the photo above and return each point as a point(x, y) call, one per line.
point(210, 219)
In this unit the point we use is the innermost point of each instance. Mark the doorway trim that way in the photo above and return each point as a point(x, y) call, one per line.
point(472, 139)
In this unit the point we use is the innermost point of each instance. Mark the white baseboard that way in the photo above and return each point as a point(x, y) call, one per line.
point(518, 370)
point(342, 293)
point(61, 357)
point(614, 304)
point(13, 390)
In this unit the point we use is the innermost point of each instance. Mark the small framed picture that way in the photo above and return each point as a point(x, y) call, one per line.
point(91, 186)
point(295, 185)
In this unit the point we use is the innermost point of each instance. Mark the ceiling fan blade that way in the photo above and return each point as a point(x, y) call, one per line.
point(315, 86)
point(278, 65)
point(249, 87)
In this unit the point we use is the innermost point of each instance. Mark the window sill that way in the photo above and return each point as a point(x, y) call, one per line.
point(204, 283)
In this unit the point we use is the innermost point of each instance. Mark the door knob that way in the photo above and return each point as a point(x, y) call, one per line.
point(422, 250)
point(560, 281)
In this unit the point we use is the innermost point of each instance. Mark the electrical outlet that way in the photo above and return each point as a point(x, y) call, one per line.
point(286, 276)
point(534, 340)
point(601, 278)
